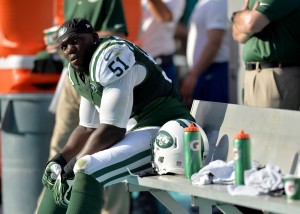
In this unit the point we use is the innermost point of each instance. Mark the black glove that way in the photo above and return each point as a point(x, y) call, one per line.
point(67, 172)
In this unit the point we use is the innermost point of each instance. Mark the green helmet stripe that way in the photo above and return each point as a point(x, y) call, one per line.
point(182, 123)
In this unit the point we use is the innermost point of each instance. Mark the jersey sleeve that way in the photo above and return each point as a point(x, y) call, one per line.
point(111, 62)
point(117, 99)
point(275, 10)
point(88, 114)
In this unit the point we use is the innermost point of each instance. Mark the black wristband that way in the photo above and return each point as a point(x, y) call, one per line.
point(68, 169)
point(58, 158)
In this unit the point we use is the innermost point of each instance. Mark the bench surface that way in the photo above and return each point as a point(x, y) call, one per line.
point(215, 193)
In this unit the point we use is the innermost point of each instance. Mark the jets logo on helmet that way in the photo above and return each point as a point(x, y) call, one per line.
point(164, 140)
point(168, 148)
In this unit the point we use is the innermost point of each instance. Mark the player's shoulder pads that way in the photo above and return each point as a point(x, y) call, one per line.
point(111, 61)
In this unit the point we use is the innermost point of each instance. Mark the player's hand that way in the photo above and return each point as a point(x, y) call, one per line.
point(63, 184)
point(50, 175)
point(52, 170)
point(62, 190)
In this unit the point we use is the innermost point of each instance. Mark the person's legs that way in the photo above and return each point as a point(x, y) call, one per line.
point(108, 167)
point(213, 84)
point(47, 204)
point(261, 89)
point(288, 84)
point(273, 88)
point(86, 196)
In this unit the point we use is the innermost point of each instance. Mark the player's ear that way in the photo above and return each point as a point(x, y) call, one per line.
point(95, 37)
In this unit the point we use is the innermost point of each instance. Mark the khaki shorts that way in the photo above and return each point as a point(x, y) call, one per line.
point(273, 88)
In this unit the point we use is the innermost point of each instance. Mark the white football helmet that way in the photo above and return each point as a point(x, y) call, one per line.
point(168, 147)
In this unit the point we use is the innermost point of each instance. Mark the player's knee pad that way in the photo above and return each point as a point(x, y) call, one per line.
point(82, 164)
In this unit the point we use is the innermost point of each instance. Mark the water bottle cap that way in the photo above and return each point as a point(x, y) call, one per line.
point(191, 128)
point(242, 135)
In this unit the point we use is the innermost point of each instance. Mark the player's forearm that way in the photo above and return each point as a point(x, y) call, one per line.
point(102, 138)
point(247, 22)
point(76, 142)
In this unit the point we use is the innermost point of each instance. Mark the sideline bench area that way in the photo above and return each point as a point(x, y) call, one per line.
point(275, 137)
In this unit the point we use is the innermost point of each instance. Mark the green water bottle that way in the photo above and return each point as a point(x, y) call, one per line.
point(192, 150)
point(241, 156)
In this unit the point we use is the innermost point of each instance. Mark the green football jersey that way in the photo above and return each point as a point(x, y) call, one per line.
point(155, 101)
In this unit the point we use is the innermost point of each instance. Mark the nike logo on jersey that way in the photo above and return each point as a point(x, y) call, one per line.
point(116, 52)
point(107, 55)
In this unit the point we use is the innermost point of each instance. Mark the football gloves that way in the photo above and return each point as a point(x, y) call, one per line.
point(63, 184)
point(52, 170)
point(62, 191)
point(50, 175)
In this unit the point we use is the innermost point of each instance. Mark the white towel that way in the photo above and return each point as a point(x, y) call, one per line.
point(259, 181)
point(216, 172)
point(266, 179)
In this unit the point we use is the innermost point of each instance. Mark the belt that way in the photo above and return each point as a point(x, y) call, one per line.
point(264, 65)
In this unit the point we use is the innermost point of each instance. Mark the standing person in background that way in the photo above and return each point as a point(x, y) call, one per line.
point(159, 21)
point(270, 31)
point(207, 53)
point(107, 17)
point(181, 34)
point(181, 28)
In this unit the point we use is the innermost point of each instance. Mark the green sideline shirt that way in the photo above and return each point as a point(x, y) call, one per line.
point(104, 15)
point(280, 40)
